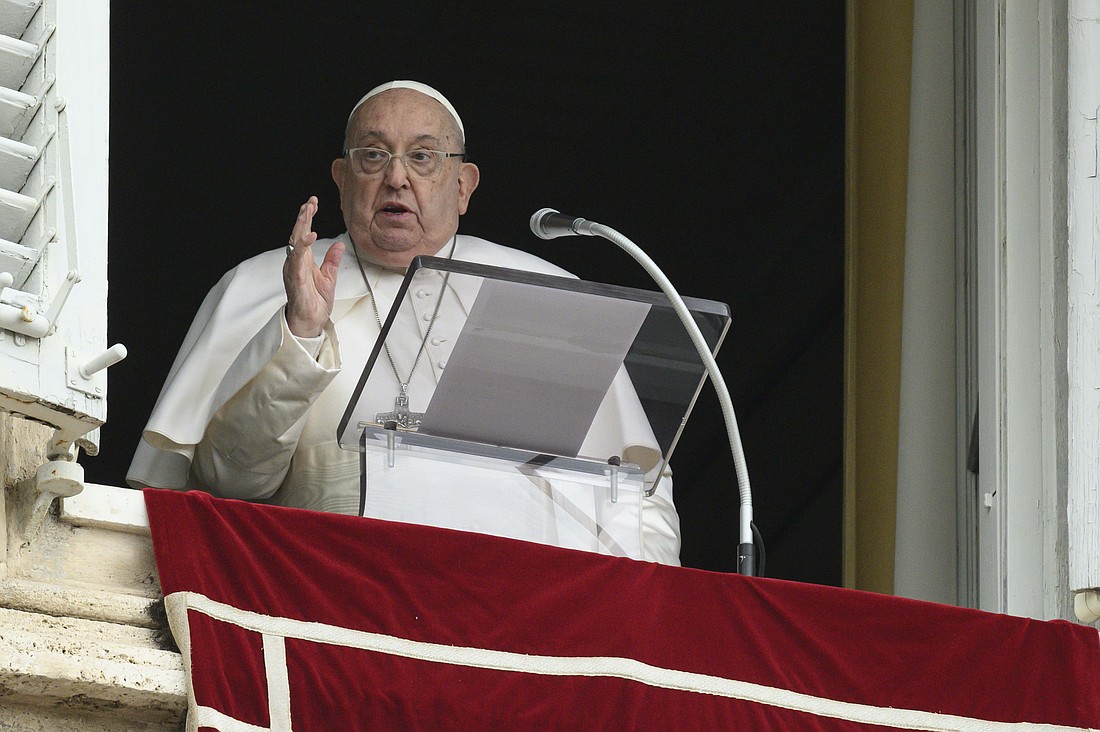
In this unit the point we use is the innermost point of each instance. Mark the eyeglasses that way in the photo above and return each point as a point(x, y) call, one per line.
point(419, 163)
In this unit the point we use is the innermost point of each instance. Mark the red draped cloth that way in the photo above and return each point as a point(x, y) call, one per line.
point(295, 620)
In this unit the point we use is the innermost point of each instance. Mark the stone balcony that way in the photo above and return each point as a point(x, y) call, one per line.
point(82, 643)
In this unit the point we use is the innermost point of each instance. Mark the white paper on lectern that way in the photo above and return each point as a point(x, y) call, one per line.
point(531, 367)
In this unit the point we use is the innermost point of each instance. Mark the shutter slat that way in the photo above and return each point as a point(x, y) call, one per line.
point(15, 16)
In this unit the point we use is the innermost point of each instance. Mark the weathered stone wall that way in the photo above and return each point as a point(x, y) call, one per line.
point(79, 649)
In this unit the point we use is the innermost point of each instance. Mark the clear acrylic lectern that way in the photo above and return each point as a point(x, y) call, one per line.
point(524, 405)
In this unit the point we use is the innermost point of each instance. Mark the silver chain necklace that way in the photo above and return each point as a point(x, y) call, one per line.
point(401, 414)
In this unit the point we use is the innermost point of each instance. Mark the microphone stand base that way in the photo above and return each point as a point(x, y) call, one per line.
point(746, 560)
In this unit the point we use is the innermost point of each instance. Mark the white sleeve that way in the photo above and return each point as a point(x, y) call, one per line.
point(248, 445)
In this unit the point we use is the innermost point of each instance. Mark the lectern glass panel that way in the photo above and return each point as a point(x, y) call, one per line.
point(527, 380)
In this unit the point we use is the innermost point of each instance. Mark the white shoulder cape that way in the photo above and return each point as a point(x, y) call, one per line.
point(234, 334)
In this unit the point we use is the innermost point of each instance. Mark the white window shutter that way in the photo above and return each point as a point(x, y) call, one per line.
point(54, 113)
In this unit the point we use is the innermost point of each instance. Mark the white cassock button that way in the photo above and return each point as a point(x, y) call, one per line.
point(427, 317)
point(438, 341)
point(422, 293)
point(442, 363)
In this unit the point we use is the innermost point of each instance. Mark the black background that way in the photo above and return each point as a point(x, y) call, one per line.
point(711, 135)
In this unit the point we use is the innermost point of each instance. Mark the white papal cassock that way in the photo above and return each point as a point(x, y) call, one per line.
point(250, 411)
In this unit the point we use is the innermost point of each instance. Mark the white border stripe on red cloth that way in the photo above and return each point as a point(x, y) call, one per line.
point(605, 666)
point(278, 683)
point(210, 717)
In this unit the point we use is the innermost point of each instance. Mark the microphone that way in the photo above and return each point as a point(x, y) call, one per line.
point(547, 223)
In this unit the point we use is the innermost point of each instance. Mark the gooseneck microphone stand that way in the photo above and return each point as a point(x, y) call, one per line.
point(547, 223)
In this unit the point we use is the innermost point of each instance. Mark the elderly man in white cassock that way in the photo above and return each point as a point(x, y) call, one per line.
point(251, 405)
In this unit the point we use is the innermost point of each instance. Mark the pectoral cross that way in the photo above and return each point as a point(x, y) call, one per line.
point(401, 413)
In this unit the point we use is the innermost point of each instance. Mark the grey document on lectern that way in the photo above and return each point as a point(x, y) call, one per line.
point(532, 366)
